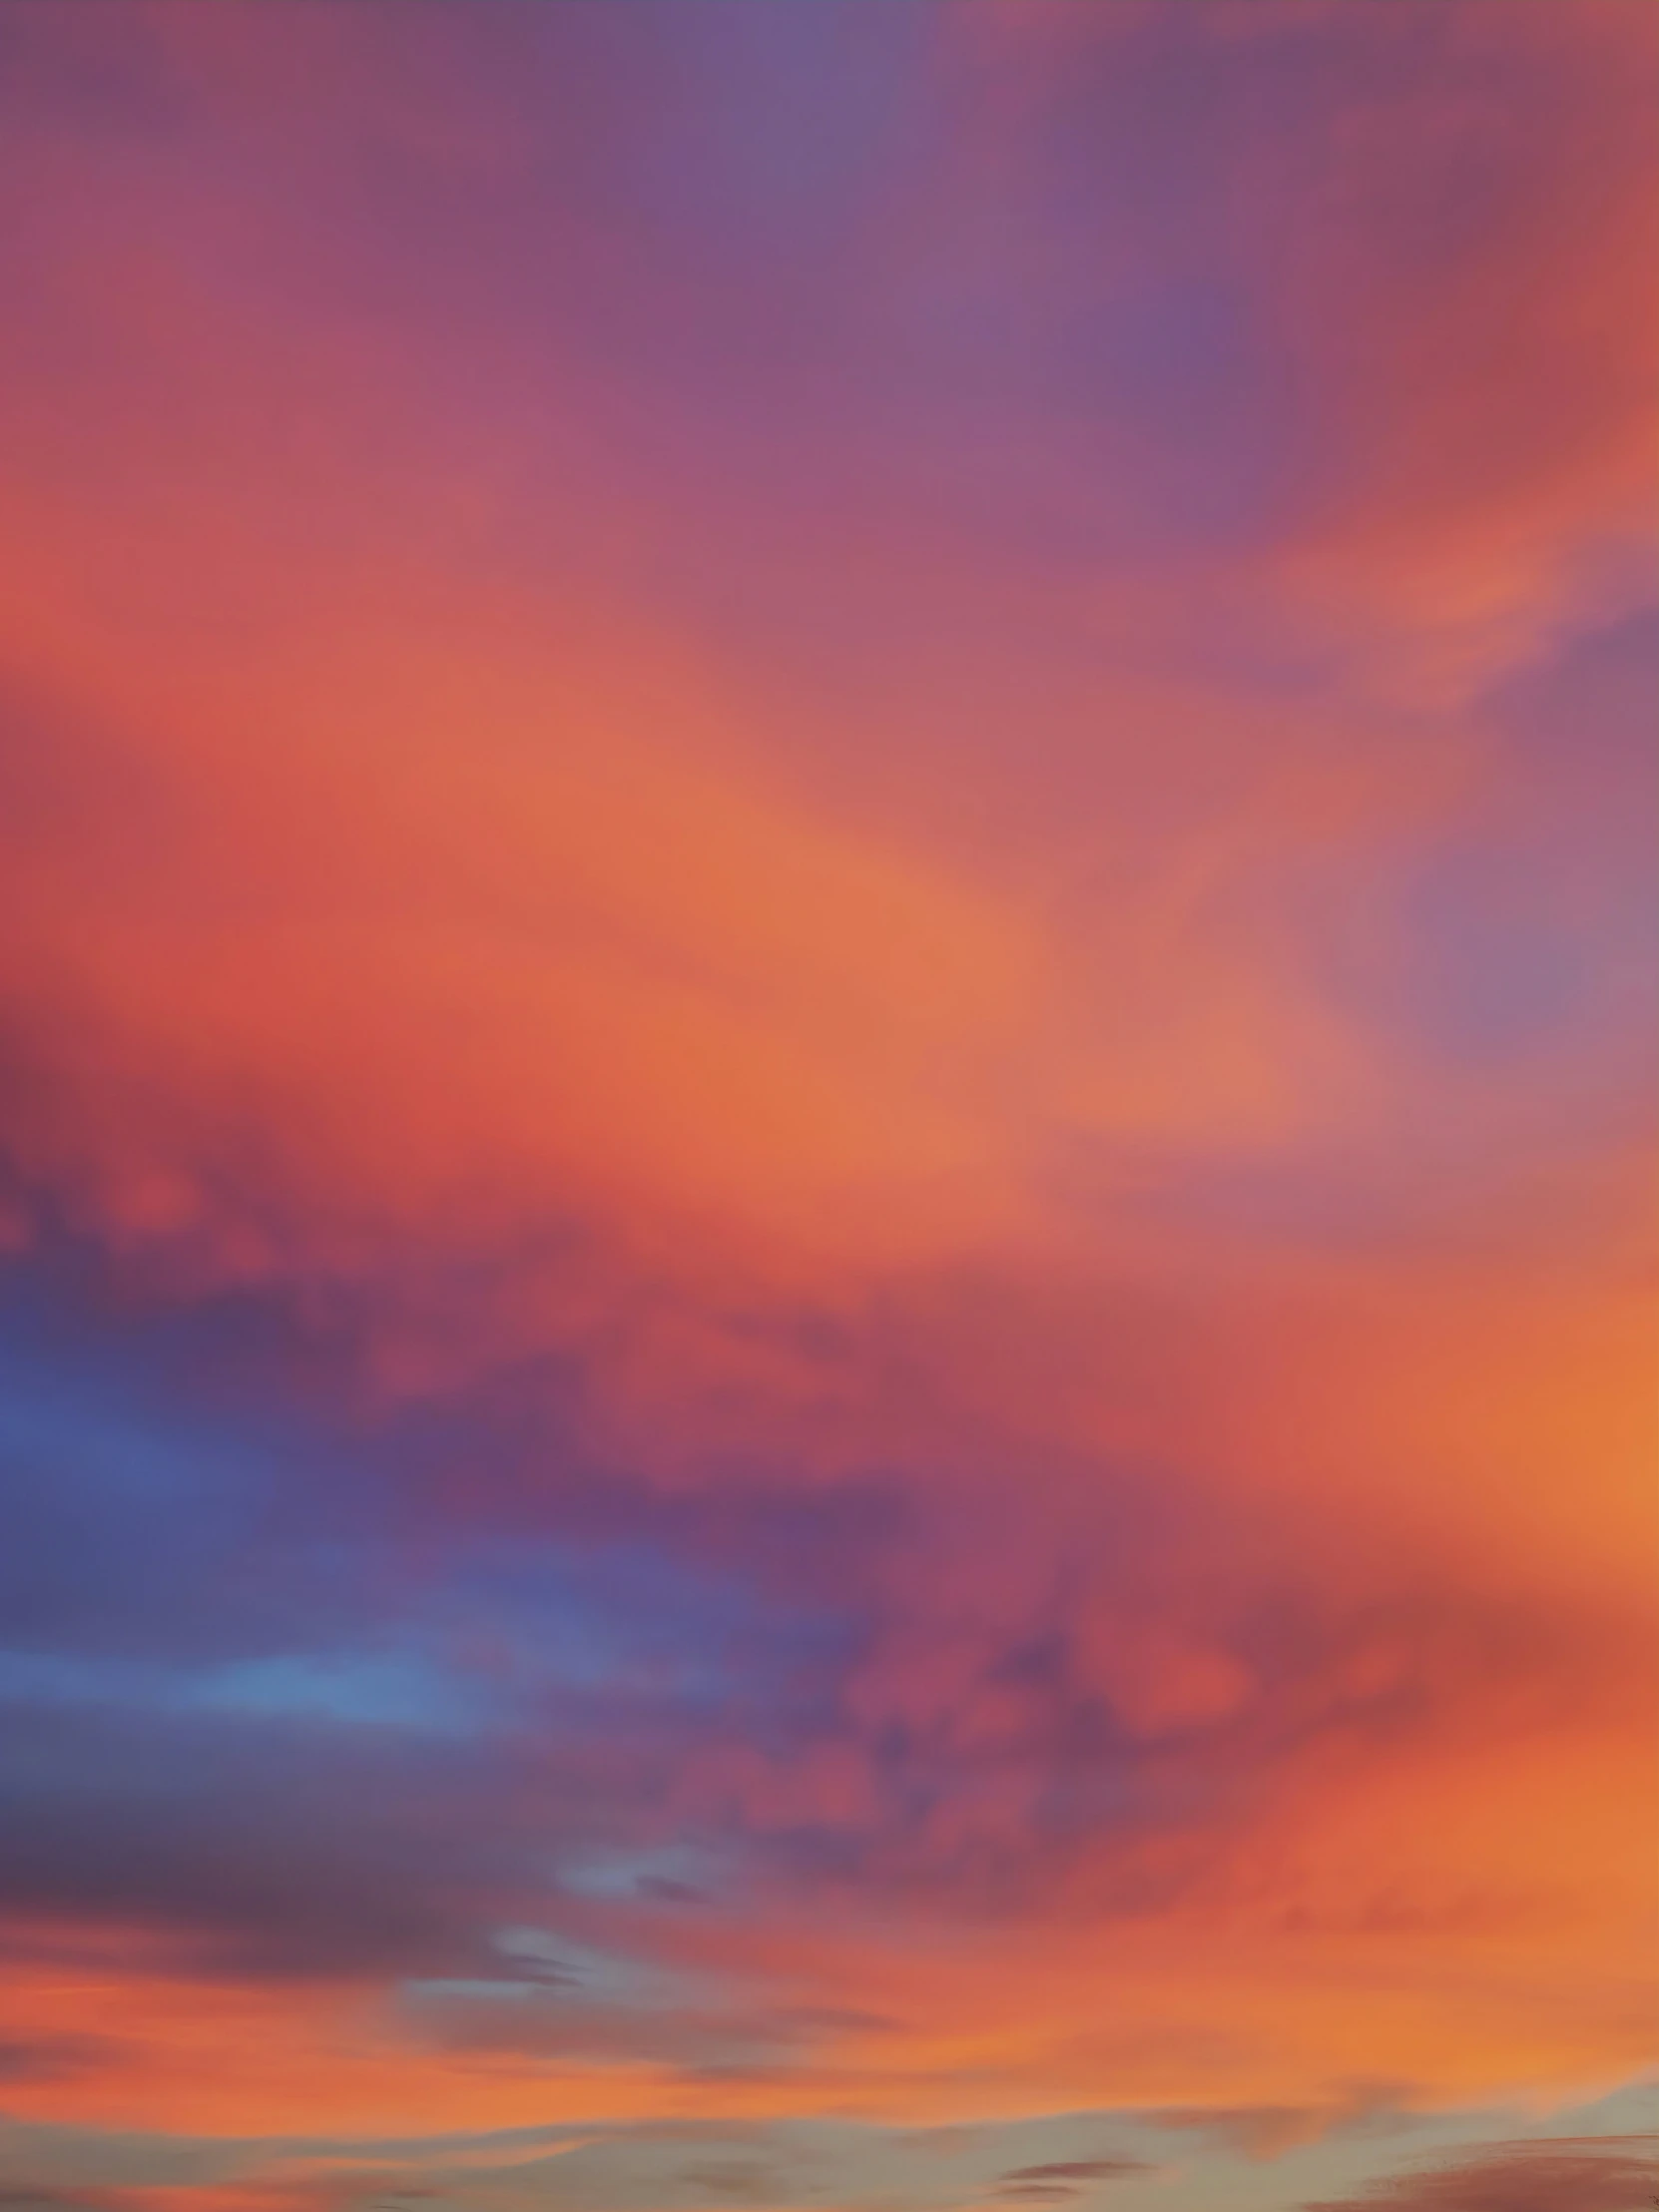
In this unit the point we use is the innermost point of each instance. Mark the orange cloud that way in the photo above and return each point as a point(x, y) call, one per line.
point(869, 960)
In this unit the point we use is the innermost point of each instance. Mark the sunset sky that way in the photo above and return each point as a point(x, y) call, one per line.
point(827, 1105)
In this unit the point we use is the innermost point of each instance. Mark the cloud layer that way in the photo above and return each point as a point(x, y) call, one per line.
point(825, 1056)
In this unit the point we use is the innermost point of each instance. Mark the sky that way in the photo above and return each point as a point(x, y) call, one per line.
point(827, 1105)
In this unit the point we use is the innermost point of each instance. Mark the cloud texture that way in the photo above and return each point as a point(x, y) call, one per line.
point(826, 1101)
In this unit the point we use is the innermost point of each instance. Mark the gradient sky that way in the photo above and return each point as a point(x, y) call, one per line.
point(827, 1104)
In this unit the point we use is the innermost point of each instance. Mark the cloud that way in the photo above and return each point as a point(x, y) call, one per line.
point(260, 1848)
point(820, 1084)
point(733, 2183)
point(24, 2059)
point(1583, 2174)
point(1078, 2169)
point(1269, 2131)
point(1059, 2180)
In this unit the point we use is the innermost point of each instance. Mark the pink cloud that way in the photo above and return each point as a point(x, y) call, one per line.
point(1587, 2174)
